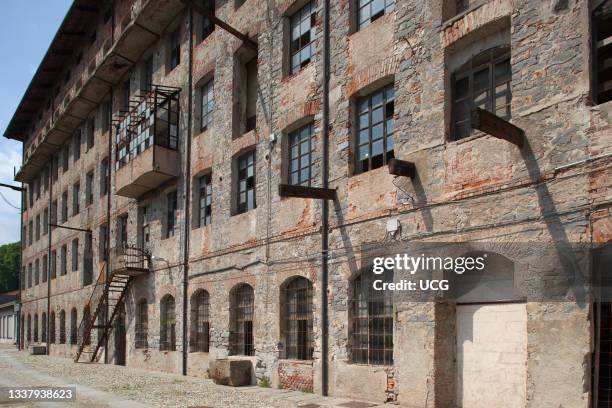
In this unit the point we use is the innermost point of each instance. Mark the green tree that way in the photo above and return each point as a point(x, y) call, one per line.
point(9, 266)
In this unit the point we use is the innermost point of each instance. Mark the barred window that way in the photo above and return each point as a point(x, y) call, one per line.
point(167, 325)
point(371, 321)
point(484, 82)
point(142, 324)
point(52, 328)
point(375, 129)
point(300, 155)
point(43, 327)
point(35, 327)
point(246, 182)
point(302, 37)
point(298, 318)
point(207, 105)
point(371, 10)
point(200, 324)
point(205, 199)
point(29, 329)
point(86, 322)
point(171, 213)
point(241, 320)
point(62, 336)
point(73, 326)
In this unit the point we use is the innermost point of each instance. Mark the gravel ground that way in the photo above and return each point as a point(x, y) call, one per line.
point(151, 388)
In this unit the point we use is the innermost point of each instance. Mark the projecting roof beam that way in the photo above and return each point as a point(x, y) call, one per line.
point(218, 22)
point(288, 190)
point(495, 126)
point(62, 52)
point(88, 9)
point(401, 168)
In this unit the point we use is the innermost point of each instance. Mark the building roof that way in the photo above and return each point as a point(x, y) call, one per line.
point(9, 297)
point(76, 23)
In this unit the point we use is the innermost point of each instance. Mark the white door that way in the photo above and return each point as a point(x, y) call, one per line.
point(491, 355)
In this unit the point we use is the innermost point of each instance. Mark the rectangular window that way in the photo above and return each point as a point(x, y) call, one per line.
point(371, 10)
point(63, 260)
point(104, 177)
point(175, 49)
point(246, 182)
point(89, 180)
point(602, 52)
point(171, 212)
point(300, 155)
point(36, 272)
point(374, 144)
point(75, 255)
point(65, 154)
point(301, 46)
point(88, 260)
point(25, 235)
point(205, 199)
point(76, 195)
point(207, 105)
point(122, 230)
point(45, 221)
point(37, 227)
point(146, 75)
point(54, 168)
point(144, 234)
point(54, 213)
point(45, 268)
point(103, 243)
point(107, 111)
point(91, 129)
point(76, 146)
point(31, 235)
point(244, 112)
point(484, 82)
point(207, 26)
point(29, 275)
point(53, 270)
point(125, 100)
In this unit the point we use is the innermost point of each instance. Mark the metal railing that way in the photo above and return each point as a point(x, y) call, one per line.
point(130, 257)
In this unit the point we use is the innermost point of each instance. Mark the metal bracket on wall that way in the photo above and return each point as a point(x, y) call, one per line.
point(401, 168)
point(495, 126)
point(288, 190)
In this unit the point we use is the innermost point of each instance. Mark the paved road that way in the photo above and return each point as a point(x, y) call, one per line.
point(100, 385)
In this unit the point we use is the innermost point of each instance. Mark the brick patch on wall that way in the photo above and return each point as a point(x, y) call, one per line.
point(295, 375)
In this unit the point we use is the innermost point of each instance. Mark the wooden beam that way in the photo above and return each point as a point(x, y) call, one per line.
point(495, 126)
point(401, 168)
point(288, 190)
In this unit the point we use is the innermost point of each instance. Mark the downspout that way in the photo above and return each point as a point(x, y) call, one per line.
point(187, 191)
point(108, 189)
point(21, 284)
point(325, 204)
point(49, 257)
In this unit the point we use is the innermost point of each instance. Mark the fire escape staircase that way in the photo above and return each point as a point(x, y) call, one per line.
point(109, 295)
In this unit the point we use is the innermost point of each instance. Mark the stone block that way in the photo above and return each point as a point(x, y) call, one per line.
point(235, 373)
point(38, 350)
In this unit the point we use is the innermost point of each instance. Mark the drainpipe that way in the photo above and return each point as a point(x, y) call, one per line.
point(21, 284)
point(49, 256)
point(187, 185)
point(325, 204)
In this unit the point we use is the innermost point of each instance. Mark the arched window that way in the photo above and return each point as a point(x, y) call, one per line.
point(62, 327)
point(29, 329)
point(200, 326)
point(142, 324)
point(43, 327)
point(484, 82)
point(73, 326)
point(86, 322)
point(297, 317)
point(371, 320)
point(35, 327)
point(52, 328)
point(167, 326)
point(241, 320)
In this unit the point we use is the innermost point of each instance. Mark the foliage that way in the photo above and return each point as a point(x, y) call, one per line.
point(9, 266)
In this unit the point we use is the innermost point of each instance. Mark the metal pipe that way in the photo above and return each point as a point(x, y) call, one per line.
point(325, 204)
point(109, 162)
point(21, 284)
point(49, 229)
point(187, 191)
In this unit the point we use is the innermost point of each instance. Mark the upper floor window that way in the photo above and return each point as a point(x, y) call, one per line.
point(64, 206)
point(146, 78)
point(76, 196)
point(89, 180)
point(37, 227)
point(65, 154)
point(241, 320)
point(246, 182)
point(103, 242)
point(602, 52)
point(76, 146)
point(371, 321)
point(175, 49)
point(301, 47)
point(207, 26)
point(91, 129)
point(63, 260)
point(300, 155)
point(484, 82)
point(104, 176)
point(375, 124)
point(53, 271)
point(371, 10)
point(122, 230)
point(75, 255)
point(200, 325)
point(207, 105)
point(205, 199)
point(171, 213)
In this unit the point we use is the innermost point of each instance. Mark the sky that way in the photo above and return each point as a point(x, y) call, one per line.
point(25, 34)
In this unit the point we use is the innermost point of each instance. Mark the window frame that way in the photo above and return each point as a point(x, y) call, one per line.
point(306, 12)
point(242, 174)
point(200, 322)
point(141, 326)
point(171, 214)
point(297, 312)
point(204, 200)
point(242, 317)
point(389, 6)
point(167, 324)
point(207, 105)
point(294, 140)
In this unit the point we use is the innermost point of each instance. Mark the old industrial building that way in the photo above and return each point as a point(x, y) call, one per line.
point(207, 180)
